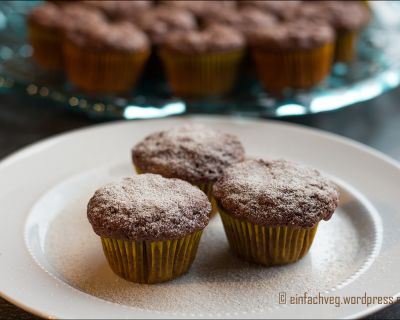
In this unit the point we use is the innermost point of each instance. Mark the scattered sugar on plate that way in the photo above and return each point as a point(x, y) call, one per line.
point(218, 281)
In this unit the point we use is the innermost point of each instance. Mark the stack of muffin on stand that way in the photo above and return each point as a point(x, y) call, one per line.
point(204, 46)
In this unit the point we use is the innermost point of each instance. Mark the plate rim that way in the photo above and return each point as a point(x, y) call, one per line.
point(56, 138)
point(42, 144)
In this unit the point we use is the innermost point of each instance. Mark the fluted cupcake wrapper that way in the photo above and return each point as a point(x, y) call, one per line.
point(206, 187)
point(103, 71)
point(47, 47)
point(267, 245)
point(295, 69)
point(345, 46)
point(151, 261)
point(201, 75)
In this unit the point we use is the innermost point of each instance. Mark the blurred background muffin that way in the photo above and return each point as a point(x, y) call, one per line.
point(106, 58)
point(158, 23)
point(161, 21)
point(45, 31)
point(348, 19)
point(120, 10)
point(202, 43)
point(283, 10)
point(296, 54)
point(245, 20)
point(47, 25)
point(203, 63)
point(200, 8)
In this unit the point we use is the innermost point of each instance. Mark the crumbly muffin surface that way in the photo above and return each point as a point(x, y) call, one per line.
point(276, 193)
point(148, 207)
point(192, 152)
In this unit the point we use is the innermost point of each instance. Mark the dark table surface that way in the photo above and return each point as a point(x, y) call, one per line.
point(375, 123)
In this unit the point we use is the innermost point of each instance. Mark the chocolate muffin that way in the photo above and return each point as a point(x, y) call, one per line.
point(348, 18)
point(245, 20)
point(293, 35)
point(203, 63)
point(158, 23)
point(76, 16)
point(348, 15)
point(214, 39)
point(163, 20)
point(150, 227)
point(283, 10)
point(44, 24)
point(271, 209)
point(47, 14)
point(228, 17)
point(106, 58)
point(192, 152)
point(46, 27)
point(296, 54)
point(200, 8)
point(120, 10)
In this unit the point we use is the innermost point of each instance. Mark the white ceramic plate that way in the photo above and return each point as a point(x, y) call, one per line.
point(51, 262)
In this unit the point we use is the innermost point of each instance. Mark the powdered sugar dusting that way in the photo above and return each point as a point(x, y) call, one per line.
point(218, 282)
point(276, 192)
point(148, 207)
point(194, 152)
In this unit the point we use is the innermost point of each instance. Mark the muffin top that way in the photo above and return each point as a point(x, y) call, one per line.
point(195, 153)
point(312, 10)
point(162, 20)
point(76, 16)
point(47, 15)
point(245, 19)
point(216, 38)
point(117, 9)
point(281, 9)
point(299, 34)
point(347, 15)
point(228, 16)
point(66, 17)
point(148, 207)
point(200, 7)
point(276, 193)
point(122, 36)
point(252, 18)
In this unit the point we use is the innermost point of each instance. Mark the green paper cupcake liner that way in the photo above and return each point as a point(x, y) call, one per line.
point(345, 47)
point(151, 261)
point(207, 188)
point(201, 75)
point(107, 71)
point(47, 47)
point(295, 69)
point(267, 245)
